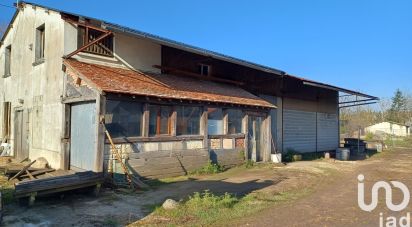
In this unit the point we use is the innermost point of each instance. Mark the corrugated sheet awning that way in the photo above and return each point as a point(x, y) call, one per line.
point(125, 81)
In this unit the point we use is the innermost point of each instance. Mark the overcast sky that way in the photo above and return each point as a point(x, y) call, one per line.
point(360, 45)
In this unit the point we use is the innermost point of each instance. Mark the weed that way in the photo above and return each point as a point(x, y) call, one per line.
point(7, 190)
point(249, 164)
point(209, 168)
point(369, 136)
point(290, 155)
point(312, 156)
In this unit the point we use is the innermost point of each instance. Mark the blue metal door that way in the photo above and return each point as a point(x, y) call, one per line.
point(83, 135)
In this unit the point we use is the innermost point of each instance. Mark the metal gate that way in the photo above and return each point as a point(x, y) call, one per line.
point(83, 135)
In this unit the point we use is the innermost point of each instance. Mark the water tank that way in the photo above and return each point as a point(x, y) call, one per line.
point(343, 154)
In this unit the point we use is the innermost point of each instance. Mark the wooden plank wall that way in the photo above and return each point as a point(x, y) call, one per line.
point(154, 160)
point(161, 164)
point(228, 158)
point(227, 152)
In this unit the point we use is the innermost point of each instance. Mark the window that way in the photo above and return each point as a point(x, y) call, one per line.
point(215, 121)
point(86, 35)
point(234, 121)
point(188, 120)
point(40, 43)
point(7, 61)
point(159, 120)
point(6, 120)
point(204, 70)
point(123, 119)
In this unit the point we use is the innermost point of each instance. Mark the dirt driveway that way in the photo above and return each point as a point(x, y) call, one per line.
point(336, 204)
point(332, 201)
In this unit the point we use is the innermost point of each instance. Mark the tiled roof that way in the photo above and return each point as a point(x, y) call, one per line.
point(125, 81)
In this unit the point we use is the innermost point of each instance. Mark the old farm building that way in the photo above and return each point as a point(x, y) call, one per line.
point(169, 107)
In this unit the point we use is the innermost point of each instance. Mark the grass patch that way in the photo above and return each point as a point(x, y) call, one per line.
point(206, 208)
point(399, 142)
point(209, 168)
point(155, 183)
point(249, 164)
point(313, 156)
point(7, 190)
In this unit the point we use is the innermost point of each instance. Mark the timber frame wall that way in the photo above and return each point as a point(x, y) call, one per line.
point(171, 155)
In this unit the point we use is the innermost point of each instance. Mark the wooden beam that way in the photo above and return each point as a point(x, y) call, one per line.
point(85, 25)
point(22, 171)
point(198, 76)
point(87, 45)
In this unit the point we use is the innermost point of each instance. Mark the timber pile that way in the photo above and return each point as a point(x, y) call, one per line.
point(50, 185)
point(161, 164)
point(21, 171)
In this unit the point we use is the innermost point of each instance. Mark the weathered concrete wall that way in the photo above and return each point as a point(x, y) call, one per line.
point(36, 89)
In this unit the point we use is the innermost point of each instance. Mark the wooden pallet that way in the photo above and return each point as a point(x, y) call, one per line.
point(38, 187)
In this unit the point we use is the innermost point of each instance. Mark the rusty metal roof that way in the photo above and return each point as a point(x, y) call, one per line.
point(126, 81)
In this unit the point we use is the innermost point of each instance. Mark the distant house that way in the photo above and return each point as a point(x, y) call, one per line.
point(170, 107)
point(389, 128)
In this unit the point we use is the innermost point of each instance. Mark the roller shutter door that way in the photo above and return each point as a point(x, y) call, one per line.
point(328, 131)
point(299, 131)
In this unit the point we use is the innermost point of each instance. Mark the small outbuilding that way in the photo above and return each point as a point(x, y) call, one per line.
point(389, 128)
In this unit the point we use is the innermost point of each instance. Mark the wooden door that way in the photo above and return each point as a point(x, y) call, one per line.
point(21, 135)
point(255, 138)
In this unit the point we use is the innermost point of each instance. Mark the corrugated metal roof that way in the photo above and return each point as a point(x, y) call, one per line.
point(179, 45)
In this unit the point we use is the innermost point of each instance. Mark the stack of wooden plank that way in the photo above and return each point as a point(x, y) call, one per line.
point(58, 184)
point(21, 171)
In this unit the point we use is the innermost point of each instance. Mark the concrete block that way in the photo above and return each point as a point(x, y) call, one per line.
point(227, 144)
point(215, 144)
point(165, 146)
point(179, 145)
point(152, 146)
point(194, 144)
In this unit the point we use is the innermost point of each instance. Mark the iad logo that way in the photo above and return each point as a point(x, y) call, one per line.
point(388, 191)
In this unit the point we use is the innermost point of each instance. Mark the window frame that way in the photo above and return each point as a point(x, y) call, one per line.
point(83, 39)
point(202, 69)
point(159, 120)
point(40, 45)
point(6, 120)
point(7, 61)
point(226, 115)
point(141, 128)
point(223, 121)
point(177, 107)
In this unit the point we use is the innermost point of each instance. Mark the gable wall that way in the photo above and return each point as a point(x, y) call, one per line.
point(35, 89)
